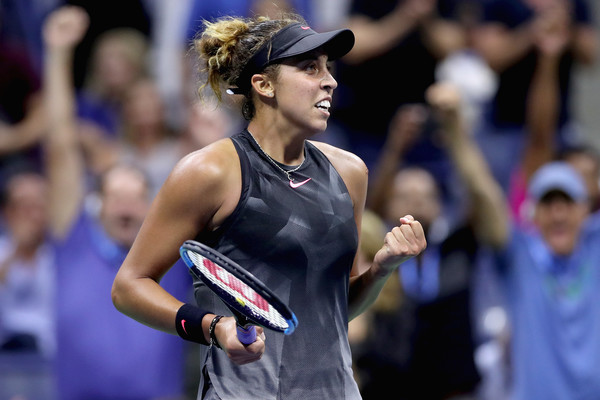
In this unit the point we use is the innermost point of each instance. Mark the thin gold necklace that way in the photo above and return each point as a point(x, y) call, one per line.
point(276, 164)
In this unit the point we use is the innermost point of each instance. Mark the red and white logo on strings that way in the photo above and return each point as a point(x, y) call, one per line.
point(236, 285)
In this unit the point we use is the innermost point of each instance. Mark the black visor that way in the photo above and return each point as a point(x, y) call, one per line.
point(291, 41)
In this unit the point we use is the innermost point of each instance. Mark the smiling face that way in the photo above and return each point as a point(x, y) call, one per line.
point(125, 200)
point(559, 220)
point(303, 91)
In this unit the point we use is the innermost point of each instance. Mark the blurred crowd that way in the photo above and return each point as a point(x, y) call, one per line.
point(463, 110)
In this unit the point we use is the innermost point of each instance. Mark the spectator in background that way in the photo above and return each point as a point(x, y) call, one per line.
point(423, 346)
point(145, 138)
point(174, 27)
point(403, 41)
point(26, 268)
point(542, 140)
point(173, 39)
point(586, 160)
point(551, 282)
point(27, 286)
point(99, 350)
point(103, 17)
point(466, 68)
point(207, 122)
point(508, 39)
point(548, 260)
point(118, 60)
point(21, 115)
point(27, 337)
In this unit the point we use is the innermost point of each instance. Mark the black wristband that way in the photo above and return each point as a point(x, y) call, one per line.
point(188, 323)
point(211, 331)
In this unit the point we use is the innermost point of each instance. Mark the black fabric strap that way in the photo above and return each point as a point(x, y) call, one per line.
point(188, 323)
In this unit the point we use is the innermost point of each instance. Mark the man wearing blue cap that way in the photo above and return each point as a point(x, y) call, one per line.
point(553, 291)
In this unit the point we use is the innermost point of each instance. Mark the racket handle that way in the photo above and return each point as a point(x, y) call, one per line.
point(246, 335)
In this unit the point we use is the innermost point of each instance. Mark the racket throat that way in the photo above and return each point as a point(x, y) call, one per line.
point(246, 330)
point(242, 320)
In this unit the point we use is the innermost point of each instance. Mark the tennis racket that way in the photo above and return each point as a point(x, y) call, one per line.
point(250, 301)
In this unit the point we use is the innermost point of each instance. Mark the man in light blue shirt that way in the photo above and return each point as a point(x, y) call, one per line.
point(552, 280)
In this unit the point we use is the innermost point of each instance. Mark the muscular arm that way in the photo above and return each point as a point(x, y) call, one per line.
point(201, 191)
point(196, 196)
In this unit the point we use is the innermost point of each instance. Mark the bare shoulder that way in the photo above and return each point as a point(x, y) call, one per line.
point(211, 163)
point(207, 181)
point(347, 164)
point(352, 169)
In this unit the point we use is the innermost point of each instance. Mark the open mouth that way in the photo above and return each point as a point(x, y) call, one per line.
point(324, 105)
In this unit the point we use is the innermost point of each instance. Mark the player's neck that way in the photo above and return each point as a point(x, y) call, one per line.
point(279, 144)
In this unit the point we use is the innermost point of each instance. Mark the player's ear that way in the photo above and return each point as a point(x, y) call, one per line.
point(262, 85)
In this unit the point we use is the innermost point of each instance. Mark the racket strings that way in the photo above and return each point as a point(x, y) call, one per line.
point(239, 292)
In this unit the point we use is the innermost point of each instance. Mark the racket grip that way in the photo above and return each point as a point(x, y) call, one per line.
point(246, 335)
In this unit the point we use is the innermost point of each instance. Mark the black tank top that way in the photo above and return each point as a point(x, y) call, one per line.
point(301, 242)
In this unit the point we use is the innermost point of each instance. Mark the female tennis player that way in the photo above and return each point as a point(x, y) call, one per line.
point(287, 209)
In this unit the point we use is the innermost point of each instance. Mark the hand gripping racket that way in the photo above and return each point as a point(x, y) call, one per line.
point(251, 302)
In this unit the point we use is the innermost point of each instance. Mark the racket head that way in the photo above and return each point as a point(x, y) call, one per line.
point(241, 291)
